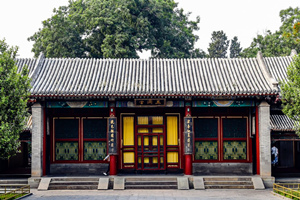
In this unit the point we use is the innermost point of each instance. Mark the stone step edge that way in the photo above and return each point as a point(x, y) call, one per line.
point(57, 187)
point(228, 186)
point(174, 184)
point(74, 181)
point(227, 179)
point(150, 181)
point(221, 182)
point(151, 185)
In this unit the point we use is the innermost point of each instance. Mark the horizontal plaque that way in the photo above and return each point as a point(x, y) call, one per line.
point(150, 102)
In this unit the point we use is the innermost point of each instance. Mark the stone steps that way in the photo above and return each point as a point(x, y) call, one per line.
point(73, 184)
point(150, 183)
point(228, 183)
point(121, 183)
point(229, 187)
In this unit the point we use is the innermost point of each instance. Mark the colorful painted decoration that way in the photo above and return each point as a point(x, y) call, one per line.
point(234, 150)
point(94, 150)
point(66, 151)
point(206, 150)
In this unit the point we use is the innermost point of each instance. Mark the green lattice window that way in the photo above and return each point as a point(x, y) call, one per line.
point(80, 140)
point(235, 150)
point(221, 139)
point(206, 150)
point(206, 127)
point(235, 128)
point(94, 150)
point(66, 151)
point(94, 128)
point(66, 128)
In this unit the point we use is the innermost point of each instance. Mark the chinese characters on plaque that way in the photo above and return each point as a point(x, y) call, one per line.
point(188, 135)
point(112, 135)
point(150, 102)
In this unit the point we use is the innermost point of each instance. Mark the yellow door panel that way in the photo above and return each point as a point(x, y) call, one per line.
point(146, 160)
point(128, 157)
point(172, 130)
point(142, 120)
point(146, 140)
point(128, 130)
point(154, 140)
point(157, 120)
point(172, 157)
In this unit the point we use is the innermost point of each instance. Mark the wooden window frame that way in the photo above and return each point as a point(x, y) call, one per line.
point(80, 140)
point(220, 139)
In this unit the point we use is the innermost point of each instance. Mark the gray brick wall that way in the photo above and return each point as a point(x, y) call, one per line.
point(264, 139)
point(37, 140)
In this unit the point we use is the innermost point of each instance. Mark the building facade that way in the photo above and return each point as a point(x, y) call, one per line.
point(196, 116)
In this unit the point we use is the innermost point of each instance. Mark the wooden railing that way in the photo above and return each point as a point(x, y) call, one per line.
point(13, 191)
point(290, 190)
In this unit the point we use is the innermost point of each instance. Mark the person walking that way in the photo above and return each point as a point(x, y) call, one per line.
point(108, 159)
point(274, 153)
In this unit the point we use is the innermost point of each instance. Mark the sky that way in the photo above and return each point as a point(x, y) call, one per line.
point(20, 19)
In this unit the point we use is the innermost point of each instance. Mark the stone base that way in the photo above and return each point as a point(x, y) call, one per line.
point(34, 182)
point(77, 169)
point(268, 181)
point(222, 169)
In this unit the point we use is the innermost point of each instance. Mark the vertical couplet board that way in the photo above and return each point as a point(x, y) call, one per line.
point(112, 136)
point(188, 135)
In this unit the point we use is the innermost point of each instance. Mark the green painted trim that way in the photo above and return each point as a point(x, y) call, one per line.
point(77, 104)
point(224, 103)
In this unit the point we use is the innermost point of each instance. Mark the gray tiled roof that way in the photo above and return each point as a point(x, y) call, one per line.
point(30, 62)
point(155, 77)
point(277, 66)
point(283, 123)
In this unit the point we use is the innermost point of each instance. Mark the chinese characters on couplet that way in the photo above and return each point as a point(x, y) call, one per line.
point(188, 135)
point(112, 135)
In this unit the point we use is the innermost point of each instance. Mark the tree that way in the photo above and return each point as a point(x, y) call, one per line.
point(280, 42)
point(290, 91)
point(14, 92)
point(235, 48)
point(117, 29)
point(219, 45)
point(291, 24)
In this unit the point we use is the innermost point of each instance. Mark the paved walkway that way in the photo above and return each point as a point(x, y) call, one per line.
point(153, 194)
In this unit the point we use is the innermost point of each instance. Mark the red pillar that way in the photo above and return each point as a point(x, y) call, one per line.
point(113, 165)
point(188, 169)
point(113, 158)
point(188, 165)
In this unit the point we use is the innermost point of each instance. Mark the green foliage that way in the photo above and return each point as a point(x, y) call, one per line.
point(291, 24)
point(117, 29)
point(290, 90)
point(282, 41)
point(235, 48)
point(14, 94)
point(219, 45)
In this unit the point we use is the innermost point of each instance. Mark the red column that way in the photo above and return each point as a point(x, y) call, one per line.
point(113, 158)
point(113, 165)
point(188, 169)
point(188, 165)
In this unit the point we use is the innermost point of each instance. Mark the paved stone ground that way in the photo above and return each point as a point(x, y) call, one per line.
point(153, 194)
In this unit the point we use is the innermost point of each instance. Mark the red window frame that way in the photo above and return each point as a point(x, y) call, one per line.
point(80, 141)
point(220, 139)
